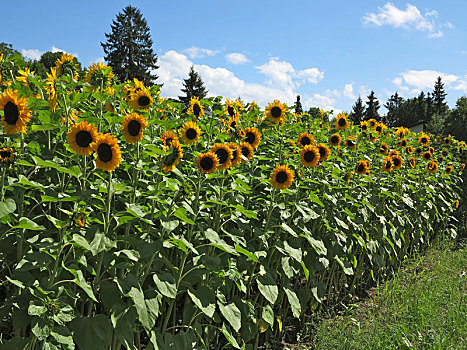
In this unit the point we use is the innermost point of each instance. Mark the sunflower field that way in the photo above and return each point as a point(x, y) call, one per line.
point(130, 221)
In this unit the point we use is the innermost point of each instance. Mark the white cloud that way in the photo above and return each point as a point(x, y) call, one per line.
point(410, 18)
point(423, 79)
point(397, 81)
point(461, 85)
point(236, 58)
point(33, 54)
point(197, 52)
point(348, 91)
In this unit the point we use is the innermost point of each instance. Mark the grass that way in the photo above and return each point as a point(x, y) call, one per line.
point(424, 306)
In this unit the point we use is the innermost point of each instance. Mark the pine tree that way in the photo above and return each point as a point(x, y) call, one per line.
point(358, 111)
point(371, 111)
point(393, 116)
point(128, 48)
point(298, 106)
point(439, 98)
point(193, 87)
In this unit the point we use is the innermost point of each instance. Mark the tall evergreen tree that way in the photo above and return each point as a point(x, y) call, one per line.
point(298, 106)
point(358, 112)
point(372, 104)
point(193, 87)
point(393, 105)
point(439, 98)
point(128, 48)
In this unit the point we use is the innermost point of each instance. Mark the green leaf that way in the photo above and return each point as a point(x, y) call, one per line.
point(230, 338)
point(62, 335)
point(318, 245)
point(232, 314)
point(268, 288)
point(319, 291)
point(289, 230)
point(80, 241)
point(7, 207)
point(165, 284)
point(267, 315)
point(246, 252)
point(130, 286)
point(29, 225)
point(293, 300)
point(218, 242)
point(314, 198)
point(295, 253)
point(40, 328)
point(345, 265)
point(205, 299)
point(248, 213)
point(81, 282)
point(181, 214)
point(92, 333)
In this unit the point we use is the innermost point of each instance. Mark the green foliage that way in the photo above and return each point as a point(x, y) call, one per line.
point(358, 112)
point(192, 87)
point(372, 106)
point(456, 120)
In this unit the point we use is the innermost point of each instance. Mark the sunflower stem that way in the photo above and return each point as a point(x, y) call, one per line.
point(2, 184)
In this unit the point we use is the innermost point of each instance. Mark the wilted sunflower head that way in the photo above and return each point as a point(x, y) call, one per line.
point(384, 148)
point(7, 155)
point(133, 127)
point(309, 156)
point(81, 137)
point(335, 139)
point(305, 139)
point(341, 122)
point(15, 112)
point(190, 133)
point(224, 154)
point(324, 152)
point(195, 107)
point(387, 164)
point(252, 136)
point(281, 177)
point(207, 162)
point(275, 111)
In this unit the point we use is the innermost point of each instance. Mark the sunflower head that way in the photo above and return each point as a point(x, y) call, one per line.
point(224, 155)
point(15, 112)
point(362, 167)
point(7, 155)
point(173, 155)
point(351, 142)
point(387, 164)
point(409, 150)
point(309, 156)
point(207, 162)
point(384, 148)
point(447, 140)
point(364, 125)
point(341, 122)
point(462, 166)
point(109, 155)
point(236, 154)
point(424, 139)
point(427, 155)
point(246, 151)
point(195, 107)
point(252, 136)
point(412, 162)
point(379, 127)
point(305, 139)
point(67, 65)
point(133, 127)
point(372, 123)
point(141, 99)
point(99, 75)
point(80, 219)
point(432, 167)
point(448, 169)
point(281, 177)
point(445, 152)
point(230, 108)
point(275, 111)
point(397, 161)
point(324, 152)
point(81, 137)
point(168, 137)
point(190, 133)
point(232, 123)
point(394, 152)
point(335, 140)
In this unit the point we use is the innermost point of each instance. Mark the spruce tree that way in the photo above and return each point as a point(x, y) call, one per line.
point(358, 111)
point(193, 87)
point(128, 48)
point(393, 116)
point(439, 98)
point(298, 106)
point(371, 111)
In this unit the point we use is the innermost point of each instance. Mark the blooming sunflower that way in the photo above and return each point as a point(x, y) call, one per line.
point(394, 152)
point(195, 107)
point(81, 137)
point(174, 154)
point(431, 150)
point(50, 86)
point(427, 155)
point(335, 140)
point(380, 127)
point(409, 150)
point(252, 136)
point(387, 164)
point(462, 166)
point(362, 167)
point(168, 137)
point(305, 139)
point(190, 133)
point(384, 148)
point(133, 127)
point(80, 219)
point(412, 162)
point(351, 142)
point(236, 157)
point(141, 99)
point(72, 118)
point(364, 125)
point(99, 74)
point(109, 155)
point(372, 123)
point(232, 123)
point(16, 114)
point(207, 162)
point(246, 150)
point(432, 167)
point(397, 161)
point(230, 108)
point(447, 140)
point(7, 155)
point(324, 152)
point(448, 169)
point(275, 111)
point(24, 79)
point(424, 139)
point(65, 65)
point(281, 177)
point(403, 143)
point(224, 154)
point(341, 122)
point(309, 156)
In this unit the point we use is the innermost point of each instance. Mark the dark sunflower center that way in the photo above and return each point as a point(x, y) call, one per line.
point(83, 138)
point(424, 140)
point(5, 154)
point(134, 127)
point(233, 124)
point(404, 143)
point(360, 168)
point(234, 154)
point(168, 142)
point(222, 155)
point(196, 109)
point(388, 165)
point(342, 122)
point(11, 113)
point(418, 150)
point(276, 112)
point(364, 127)
point(231, 111)
point(396, 161)
point(350, 143)
point(378, 129)
point(191, 134)
point(206, 163)
point(309, 156)
point(245, 151)
point(305, 141)
point(250, 138)
point(427, 155)
point(281, 177)
point(334, 139)
point(322, 152)
point(104, 152)
point(144, 101)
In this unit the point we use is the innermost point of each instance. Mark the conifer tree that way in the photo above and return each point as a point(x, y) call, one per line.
point(128, 48)
point(358, 111)
point(193, 87)
point(371, 111)
point(393, 116)
point(298, 106)
point(439, 98)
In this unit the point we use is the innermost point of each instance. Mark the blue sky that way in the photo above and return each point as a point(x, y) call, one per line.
point(328, 52)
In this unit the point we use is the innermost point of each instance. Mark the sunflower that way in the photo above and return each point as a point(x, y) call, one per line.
point(224, 154)
point(168, 137)
point(16, 114)
point(281, 177)
point(394, 152)
point(403, 143)
point(397, 161)
point(384, 148)
point(364, 125)
point(7, 155)
point(232, 123)
point(341, 122)
point(432, 166)
point(236, 157)
point(427, 155)
point(305, 139)
point(431, 150)
point(50, 86)
point(207, 162)
point(335, 140)
point(246, 150)
point(133, 127)
point(372, 123)
point(424, 139)
point(380, 127)
point(65, 65)
point(141, 99)
point(252, 136)
point(462, 166)
point(190, 133)
point(241, 133)
point(174, 154)
point(324, 152)
point(412, 162)
point(109, 155)
point(80, 138)
point(447, 140)
point(24, 79)
point(351, 142)
point(275, 111)
point(362, 167)
point(72, 118)
point(309, 156)
point(448, 169)
point(418, 150)
point(80, 219)
point(99, 74)
point(409, 150)
point(387, 164)
point(230, 108)
point(195, 107)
